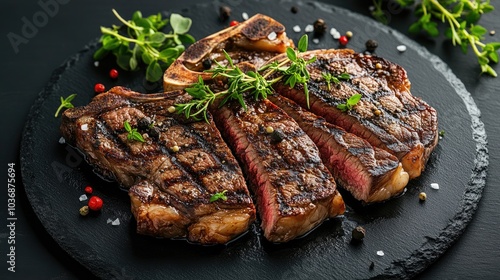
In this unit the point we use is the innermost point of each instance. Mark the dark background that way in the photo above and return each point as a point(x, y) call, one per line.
point(476, 255)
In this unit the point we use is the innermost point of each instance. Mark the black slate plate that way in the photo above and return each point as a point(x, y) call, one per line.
point(411, 234)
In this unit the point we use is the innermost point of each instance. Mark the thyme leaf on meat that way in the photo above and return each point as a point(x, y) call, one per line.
point(141, 40)
point(219, 195)
point(329, 78)
point(460, 17)
point(203, 97)
point(65, 103)
point(133, 134)
point(292, 69)
point(297, 73)
point(350, 103)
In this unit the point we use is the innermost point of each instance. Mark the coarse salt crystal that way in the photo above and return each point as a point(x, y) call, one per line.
point(84, 127)
point(96, 63)
point(244, 16)
point(401, 48)
point(116, 222)
point(83, 197)
point(435, 186)
point(109, 221)
point(297, 28)
point(309, 28)
point(62, 140)
point(316, 40)
point(336, 36)
point(272, 36)
point(380, 253)
point(333, 31)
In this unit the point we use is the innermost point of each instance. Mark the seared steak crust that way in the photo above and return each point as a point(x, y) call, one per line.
point(370, 174)
point(387, 115)
point(173, 174)
point(294, 190)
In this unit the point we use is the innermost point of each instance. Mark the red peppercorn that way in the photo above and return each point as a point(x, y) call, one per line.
point(234, 23)
point(98, 88)
point(88, 190)
point(343, 40)
point(95, 203)
point(113, 73)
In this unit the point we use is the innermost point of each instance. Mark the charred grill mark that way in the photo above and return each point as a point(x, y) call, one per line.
point(198, 151)
point(379, 125)
point(181, 161)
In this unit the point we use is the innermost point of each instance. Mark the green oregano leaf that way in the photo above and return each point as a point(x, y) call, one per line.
point(303, 42)
point(180, 24)
point(219, 195)
point(133, 134)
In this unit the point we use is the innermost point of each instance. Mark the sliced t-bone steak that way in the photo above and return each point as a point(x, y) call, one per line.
point(294, 190)
point(388, 115)
point(171, 176)
point(370, 174)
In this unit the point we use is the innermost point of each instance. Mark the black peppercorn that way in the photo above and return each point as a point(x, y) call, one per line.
point(319, 27)
point(144, 123)
point(371, 45)
point(277, 136)
point(294, 9)
point(154, 132)
point(224, 13)
point(358, 233)
point(207, 63)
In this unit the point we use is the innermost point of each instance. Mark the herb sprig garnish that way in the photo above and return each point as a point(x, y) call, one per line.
point(203, 97)
point(219, 195)
point(140, 39)
point(297, 72)
point(329, 78)
point(257, 83)
point(350, 103)
point(460, 17)
point(65, 103)
point(133, 134)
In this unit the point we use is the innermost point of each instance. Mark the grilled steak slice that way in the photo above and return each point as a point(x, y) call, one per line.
point(370, 174)
point(387, 115)
point(173, 174)
point(295, 192)
point(255, 40)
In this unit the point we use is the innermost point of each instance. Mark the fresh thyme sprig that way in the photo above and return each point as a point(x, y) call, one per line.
point(203, 97)
point(461, 17)
point(297, 72)
point(329, 78)
point(65, 103)
point(133, 134)
point(142, 40)
point(257, 83)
